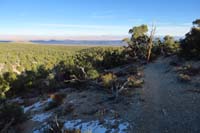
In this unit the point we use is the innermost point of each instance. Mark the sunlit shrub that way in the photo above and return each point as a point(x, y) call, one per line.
point(184, 77)
point(108, 79)
point(56, 100)
point(92, 74)
point(4, 87)
point(44, 69)
point(189, 70)
point(133, 82)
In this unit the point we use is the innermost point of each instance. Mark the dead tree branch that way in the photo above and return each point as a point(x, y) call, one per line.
point(150, 43)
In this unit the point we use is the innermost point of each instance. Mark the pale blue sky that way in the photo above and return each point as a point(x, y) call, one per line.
point(94, 17)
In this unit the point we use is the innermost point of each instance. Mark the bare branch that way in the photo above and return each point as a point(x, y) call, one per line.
point(123, 86)
point(150, 43)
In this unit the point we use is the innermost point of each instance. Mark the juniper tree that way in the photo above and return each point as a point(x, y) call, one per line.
point(137, 43)
point(190, 45)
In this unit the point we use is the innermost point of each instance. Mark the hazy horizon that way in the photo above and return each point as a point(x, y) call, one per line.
point(92, 20)
point(28, 38)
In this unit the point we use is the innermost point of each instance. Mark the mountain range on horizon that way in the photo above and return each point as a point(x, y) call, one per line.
point(75, 42)
point(79, 42)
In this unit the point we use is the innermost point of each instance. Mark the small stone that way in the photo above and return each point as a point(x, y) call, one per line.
point(164, 112)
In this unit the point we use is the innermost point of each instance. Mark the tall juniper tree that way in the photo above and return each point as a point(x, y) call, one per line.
point(137, 43)
point(190, 45)
point(140, 44)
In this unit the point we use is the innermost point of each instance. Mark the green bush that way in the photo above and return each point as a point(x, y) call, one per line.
point(108, 79)
point(11, 112)
point(189, 70)
point(133, 82)
point(137, 44)
point(47, 68)
point(100, 58)
point(114, 58)
point(190, 45)
point(92, 74)
point(4, 87)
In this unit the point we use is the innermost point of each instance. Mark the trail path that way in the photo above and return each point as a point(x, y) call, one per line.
point(167, 107)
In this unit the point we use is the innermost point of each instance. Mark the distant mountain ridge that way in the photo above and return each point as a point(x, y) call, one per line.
point(5, 41)
point(81, 42)
point(85, 42)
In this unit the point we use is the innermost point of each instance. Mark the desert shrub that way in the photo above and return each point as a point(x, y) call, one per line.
point(156, 51)
point(192, 71)
point(137, 44)
point(90, 58)
point(100, 58)
point(29, 80)
point(48, 68)
point(114, 58)
point(58, 97)
point(108, 79)
point(189, 70)
point(190, 45)
point(56, 100)
point(184, 77)
point(51, 76)
point(170, 46)
point(135, 52)
point(11, 113)
point(42, 72)
point(157, 46)
point(6, 81)
point(132, 70)
point(10, 76)
point(134, 82)
point(64, 71)
point(166, 47)
point(92, 74)
point(4, 87)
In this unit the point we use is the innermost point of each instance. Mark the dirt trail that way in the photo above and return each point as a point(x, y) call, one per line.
point(166, 107)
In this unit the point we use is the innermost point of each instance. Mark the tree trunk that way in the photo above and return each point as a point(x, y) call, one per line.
point(150, 43)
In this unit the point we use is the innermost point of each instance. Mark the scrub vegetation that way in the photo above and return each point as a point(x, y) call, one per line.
point(34, 70)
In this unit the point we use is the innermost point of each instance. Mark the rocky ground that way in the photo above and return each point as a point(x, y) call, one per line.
point(165, 103)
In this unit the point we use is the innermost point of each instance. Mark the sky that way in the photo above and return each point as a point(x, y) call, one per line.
point(110, 19)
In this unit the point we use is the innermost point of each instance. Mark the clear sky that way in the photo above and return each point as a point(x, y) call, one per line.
point(94, 17)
